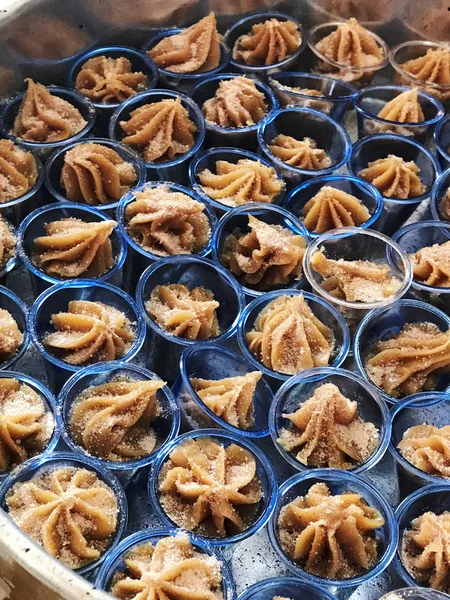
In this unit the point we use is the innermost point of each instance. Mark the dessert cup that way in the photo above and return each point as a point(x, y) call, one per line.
point(171, 170)
point(139, 259)
point(335, 97)
point(42, 464)
point(208, 159)
point(442, 141)
point(237, 218)
point(301, 387)
point(287, 587)
point(44, 149)
point(438, 193)
point(16, 210)
point(371, 101)
point(321, 308)
point(56, 299)
point(34, 226)
point(329, 136)
point(264, 472)
point(374, 147)
point(19, 312)
point(211, 361)
point(244, 26)
point(114, 561)
point(386, 321)
point(164, 349)
point(338, 482)
point(10, 265)
point(363, 190)
point(237, 137)
point(55, 164)
point(415, 594)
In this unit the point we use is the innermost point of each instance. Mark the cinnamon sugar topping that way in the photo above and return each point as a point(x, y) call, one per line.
point(431, 265)
point(427, 447)
point(302, 154)
point(7, 242)
point(404, 108)
point(11, 337)
point(18, 171)
point(331, 208)
point(236, 103)
point(433, 68)
point(394, 177)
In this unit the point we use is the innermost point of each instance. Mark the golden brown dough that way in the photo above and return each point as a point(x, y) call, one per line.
point(433, 67)
point(431, 265)
point(10, 336)
point(331, 208)
point(7, 242)
point(427, 447)
point(302, 154)
point(18, 171)
point(394, 177)
point(404, 108)
point(236, 103)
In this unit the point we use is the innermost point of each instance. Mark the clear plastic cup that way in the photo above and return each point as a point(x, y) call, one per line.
point(442, 141)
point(264, 471)
point(335, 99)
point(440, 189)
point(371, 101)
point(139, 259)
point(415, 594)
point(17, 210)
point(19, 312)
point(301, 387)
point(12, 263)
point(286, 587)
point(237, 137)
point(167, 170)
point(59, 460)
point(374, 147)
point(34, 226)
point(211, 361)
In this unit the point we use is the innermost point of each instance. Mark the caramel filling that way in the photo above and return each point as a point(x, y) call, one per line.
point(332, 208)
point(428, 448)
point(210, 489)
point(394, 177)
point(330, 535)
point(431, 265)
point(404, 108)
point(7, 242)
point(433, 67)
point(302, 154)
point(11, 337)
point(18, 171)
point(69, 511)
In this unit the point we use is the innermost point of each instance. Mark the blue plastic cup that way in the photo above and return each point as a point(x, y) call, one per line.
point(442, 141)
point(244, 27)
point(322, 309)
point(55, 164)
point(286, 587)
point(164, 349)
point(301, 123)
point(12, 263)
point(338, 482)
point(440, 189)
point(237, 137)
point(374, 147)
point(44, 149)
point(40, 465)
point(114, 562)
point(168, 170)
point(19, 312)
point(34, 226)
point(56, 299)
point(335, 97)
point(371, 101)
point(415, 594)
point(364, 191)
point(211, 361)
point(264, 472)
point(208, 160)
point(139, 259)
point(384, 323)
point(301, 387)
point(16, 210)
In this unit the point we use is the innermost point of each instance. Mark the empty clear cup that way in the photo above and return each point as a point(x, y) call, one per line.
point(18, 209)
point(442, 141)
point(211, 361)
point(19, 312)
point(415, 594)
point(439, 193)
point(334, 96)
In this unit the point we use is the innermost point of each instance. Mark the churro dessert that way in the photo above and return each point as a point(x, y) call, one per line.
point(109, 80)
point(236, 103)
point(172, 568)
point(431, 265)
point(301, 154)
point(210, 489)
point(68, 511)
point(327, 431)
point(394, 177)
point(425, 550)
point(7, 242)
point(179, 311)
point(444, 206)
point(46, 118)
point(230, 398)
point(288, 337)
point(160, 131)
point(74, 248)
point(331, 208)
point(330, 535)
point(238, 183)
point(18, 171)
point(404, 108)
point(431, 68)
point(265, 257)
point(96, 174)
point(427, 447)
point(166, 222)
point(26, 424)
point(267, 43)
point(88, 333)
point(11, 337)
point(195, 50)
point(411, 360)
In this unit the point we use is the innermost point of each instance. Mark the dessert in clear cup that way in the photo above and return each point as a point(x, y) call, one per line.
point(18, 171)
point(394, 177)
point(302, 154)
point(427, 447)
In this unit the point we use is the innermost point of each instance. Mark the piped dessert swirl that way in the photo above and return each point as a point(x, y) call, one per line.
point(404, 108)
point(236, 103)
point(301, 154)
point(431, 265)
point(7, 242)
point(432, 68)
point(109, 80)
point(44, 117)
point(394, 177)
point(96, 174)
point(195, 50)
point(204, 487)
point(18, 171)
point(166, 222)
point(331, 208)
point(69, 511)
point(114, 420)
point(11, 337)
point(427, 447)
point(89, 332)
